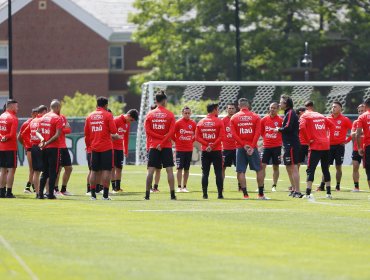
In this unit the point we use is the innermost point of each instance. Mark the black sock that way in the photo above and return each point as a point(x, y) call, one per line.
point(328, 191)
point(156, 186)
point(184, 186)
point(147, 194)
point(93, 191)
point(113, 185)
point(28, 185)
point(105, 192)
point(33, 187)
point(8, 191)
point(88, 187)
point(56, 188)
point(239, 185)
point(173, 194)
point(274, 185)
point(118, 184)
point(322, 185)
point(2, 192)
point(99, 188)
point(260, 190)
point(337, 186)
point(179, 186)
point(245, 191)
point(357, 185)
point(63, 189)
point(205, 190)
point(308, 191)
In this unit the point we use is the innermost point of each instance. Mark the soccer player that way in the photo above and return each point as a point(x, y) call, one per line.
point(338, 140)
point(36, 153)
point(356, 158)
point(26, 142)
point(49, 131)
point(228, 143)
point(363, 128)
point(159, 128)
point(209, 133)
point(289, 131)
point(65, 159)
point(272, 142)
point(8, 148)
point(100, 130)
point(184, 137)
point(246, 130)
point(303, 152)
point(120, 146)
point(315, 130)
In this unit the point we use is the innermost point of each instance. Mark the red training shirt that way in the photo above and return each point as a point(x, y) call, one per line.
point(210, 132)
point(184, 135)
point(26, 138)
point(8, 129)
point(315, 130)
point(123, 130)
point(48, 126)
point(228, 143)
point(246, 128)
point(364, 123)
point(99, 126)
point(31, 130)
point(270, 138)
point(159, 128)
point(65, 130)
point(354, 129)
point(338, 132)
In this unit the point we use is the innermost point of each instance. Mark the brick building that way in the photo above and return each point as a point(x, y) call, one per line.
point(64, 46)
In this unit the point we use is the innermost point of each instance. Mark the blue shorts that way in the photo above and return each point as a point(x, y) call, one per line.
point(243, 159)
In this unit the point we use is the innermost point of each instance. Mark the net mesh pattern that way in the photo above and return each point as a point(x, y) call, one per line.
point(228, 94)
point(192, 94)
point(262, 99)
point(338, 93)
point(367, 93)
point(300, 95)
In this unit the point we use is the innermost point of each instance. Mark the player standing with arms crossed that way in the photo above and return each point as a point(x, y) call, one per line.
point(184, 137)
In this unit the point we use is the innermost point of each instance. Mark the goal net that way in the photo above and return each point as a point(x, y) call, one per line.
point(196, 94)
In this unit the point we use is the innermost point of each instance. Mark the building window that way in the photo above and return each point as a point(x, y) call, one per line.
point(116, 57)
point(3, 57)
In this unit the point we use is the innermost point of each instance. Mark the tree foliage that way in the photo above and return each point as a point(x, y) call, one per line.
point(82, 104)
point(195, 39)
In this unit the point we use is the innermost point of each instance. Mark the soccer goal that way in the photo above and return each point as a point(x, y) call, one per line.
point(196, 94)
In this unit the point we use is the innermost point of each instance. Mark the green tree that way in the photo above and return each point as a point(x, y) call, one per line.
point(82, 104)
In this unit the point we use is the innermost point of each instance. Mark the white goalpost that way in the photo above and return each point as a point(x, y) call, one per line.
point(260, 93)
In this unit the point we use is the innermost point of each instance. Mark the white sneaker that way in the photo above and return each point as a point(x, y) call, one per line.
point(273, 189)
point(106, 198)
point(309, 197)
point(88, 193)
point(328, 196)
point(92, 198)
point(67, 193)
point(28, 191)
point(184, 190)
point(179, 190)
point(58, 193)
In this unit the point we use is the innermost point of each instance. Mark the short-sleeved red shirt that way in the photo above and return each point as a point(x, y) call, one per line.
point(8, 129)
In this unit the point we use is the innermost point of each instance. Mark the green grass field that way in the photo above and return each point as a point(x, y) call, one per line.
point(129, 238)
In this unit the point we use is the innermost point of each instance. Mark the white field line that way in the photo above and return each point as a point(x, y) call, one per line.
point(208, 210)
point(333, 204)
point(18, 258)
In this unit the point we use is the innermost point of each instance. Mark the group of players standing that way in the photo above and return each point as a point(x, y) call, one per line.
point(232, 140)
point(304, 134)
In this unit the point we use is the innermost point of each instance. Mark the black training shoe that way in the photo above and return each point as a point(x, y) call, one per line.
point(173, 197)
point(297, 195)
point(205, 196)
point(220, 196)
point(52, 197)
point(291, 194)
point(9, 195)
point(146, 198)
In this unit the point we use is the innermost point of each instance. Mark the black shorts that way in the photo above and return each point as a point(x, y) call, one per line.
point(356, 156)
point(8, 159)
point(271, 155)
point(36, 156)
point(303, 154)
point(336, 153)
point(102, 160)
point(88, 157)
point(160, 158)
point(183, 160)
point(65, 157)
point(291, 153)
point(118, 158)
point(229, 157)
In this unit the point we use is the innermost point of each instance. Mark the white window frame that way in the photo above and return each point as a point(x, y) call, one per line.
point(7, 57)
point(118, 57)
